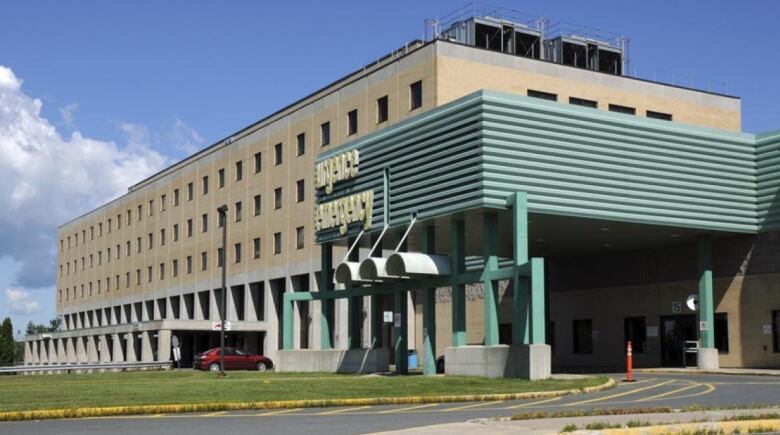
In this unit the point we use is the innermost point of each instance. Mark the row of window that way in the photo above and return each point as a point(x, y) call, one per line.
point(382, 113)
point(594, 104)
point(89, 289)
point(300, 196)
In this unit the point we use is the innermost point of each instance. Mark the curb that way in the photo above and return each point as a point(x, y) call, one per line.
point(45, 414)
point(727, 427)
point(703, 372)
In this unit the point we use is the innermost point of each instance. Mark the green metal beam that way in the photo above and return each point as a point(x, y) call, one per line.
point(326, 284)
point(429, 308)
point(458, 254)
point(376, 299)
point(706, 309)
point(521, 299)
point(401, 331)
point(538, 327)
point(490, 248)
point(354, 305)
point(288, 324)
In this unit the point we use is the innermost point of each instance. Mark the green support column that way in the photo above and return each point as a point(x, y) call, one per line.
point(458, 254)
point(706, 310)
point(326, 284)
point(429, 308)
point(289, 325)
point(520, 299)
point(490, 240)
point(354, 308)
point(538, 327)
point(401, 342)
point(376, 305)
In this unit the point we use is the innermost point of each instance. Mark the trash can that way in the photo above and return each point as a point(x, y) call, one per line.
point(412, 363)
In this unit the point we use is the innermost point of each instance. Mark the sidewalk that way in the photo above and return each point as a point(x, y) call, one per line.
point(554, 425)
point(693, 370)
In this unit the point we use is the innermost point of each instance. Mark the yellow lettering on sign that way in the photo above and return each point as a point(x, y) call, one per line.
point(342, 212)
point(337, 168)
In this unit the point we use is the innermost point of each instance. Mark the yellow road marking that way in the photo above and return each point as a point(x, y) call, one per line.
point(710, 389)
point(392, 411)
point(343, 410)
point(668, 393)
point(625, 393)
point(539, 402)
point(458, 408)
point(214, 414)
point(281, 411)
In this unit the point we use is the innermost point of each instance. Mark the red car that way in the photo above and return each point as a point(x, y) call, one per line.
point(235, 359)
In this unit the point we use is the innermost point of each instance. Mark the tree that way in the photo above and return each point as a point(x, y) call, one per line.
point(7, 342)
point(40, 328)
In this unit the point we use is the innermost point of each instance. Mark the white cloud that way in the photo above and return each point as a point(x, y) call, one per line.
point(20, 302)
point(184, 138)
point(68, 114)
point(49, 179)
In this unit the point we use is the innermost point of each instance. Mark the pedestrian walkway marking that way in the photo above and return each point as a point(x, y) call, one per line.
point(281, 411)
point(342, 410)
point(668, 393)
point(458, 408)
point(539, 402)
point(393, 411)
point(214, 414)
point(625, 393)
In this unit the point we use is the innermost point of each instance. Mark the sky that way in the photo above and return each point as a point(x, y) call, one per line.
point(95, 95)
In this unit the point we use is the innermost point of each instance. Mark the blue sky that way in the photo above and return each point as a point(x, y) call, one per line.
point(161, 79)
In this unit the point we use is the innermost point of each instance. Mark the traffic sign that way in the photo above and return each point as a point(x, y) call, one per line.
point(215, 325)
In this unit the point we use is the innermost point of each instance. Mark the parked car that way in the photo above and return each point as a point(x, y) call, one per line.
point(235, 359)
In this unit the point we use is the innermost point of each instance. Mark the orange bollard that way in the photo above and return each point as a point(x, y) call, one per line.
point(629, 364)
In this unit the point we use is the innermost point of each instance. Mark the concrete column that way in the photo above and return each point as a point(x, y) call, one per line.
point(62, 352)
point(34, 352)
point(53, 357)
point(28, 359)
point(457, 253)
point(92, 350)
point(43, 351)
point(118, 354)
point(326, 285)
point(164, 345)
point(707, 355)
point(130, 354)
point(147, 354)
point(81, 350)
point(429, 308)
point(288, 320)
point(105, 351)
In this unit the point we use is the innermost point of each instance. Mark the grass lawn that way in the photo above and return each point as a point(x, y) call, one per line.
point(185, 386)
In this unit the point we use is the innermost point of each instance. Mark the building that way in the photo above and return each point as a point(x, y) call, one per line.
point(515, 155)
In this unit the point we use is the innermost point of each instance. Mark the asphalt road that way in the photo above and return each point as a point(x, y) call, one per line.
point(650, 390)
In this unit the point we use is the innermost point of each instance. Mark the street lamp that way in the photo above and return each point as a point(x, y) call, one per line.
point(222, 210)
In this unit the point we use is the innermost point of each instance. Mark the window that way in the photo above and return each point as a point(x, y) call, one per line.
point(118, 251)
point(127, 279)
point(204, 223)
point(162, 237)
point(382, 110)
point(722, 332)
point(108, 255)
point(100, 259)
point(238, 211)
point(100, 230)
point(188, 264)
point(542, 95)
point(162, 271)
point(149, 274)
point(300, 191)
point(277, 198)
point(258, 205)
point(220, 220)
point(175, 232)
point(622, 109)
point(583, 336)
point(415, 95)
point(190, 191)
point(301, 139)
point(352, 122)
point(221, 178)
point(163, 201)
point(237, 253)
point(258, 162)
point(151, 208)
point(138, 277)
point(91, 233)
point(127, 249)
point(299, 238)
point(151, 241)
point(325, 134)
point(256, 247)
point(175, 268)
point(278, 154)
point(129, 217)
point(659, 115)
point(137, 246)
point(220, 257)
point(175, 197)
point(583, 102)
point(239, 170)
point(118, 226)
point(140, 212)
point(189, 227)
point(109, 231)
point(277, 243)
point(204, 260)
point(205, 184)
point(634, 330)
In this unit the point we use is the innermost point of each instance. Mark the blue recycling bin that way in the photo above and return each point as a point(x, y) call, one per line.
point(412, 362)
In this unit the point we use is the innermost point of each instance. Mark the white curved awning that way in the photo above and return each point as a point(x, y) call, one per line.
point(347, 272)
point(373, 269)
point(416, 263)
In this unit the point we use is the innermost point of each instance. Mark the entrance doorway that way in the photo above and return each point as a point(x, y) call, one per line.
point(675, 331)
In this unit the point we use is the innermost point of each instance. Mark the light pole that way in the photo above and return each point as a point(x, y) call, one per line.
point(222, 210)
